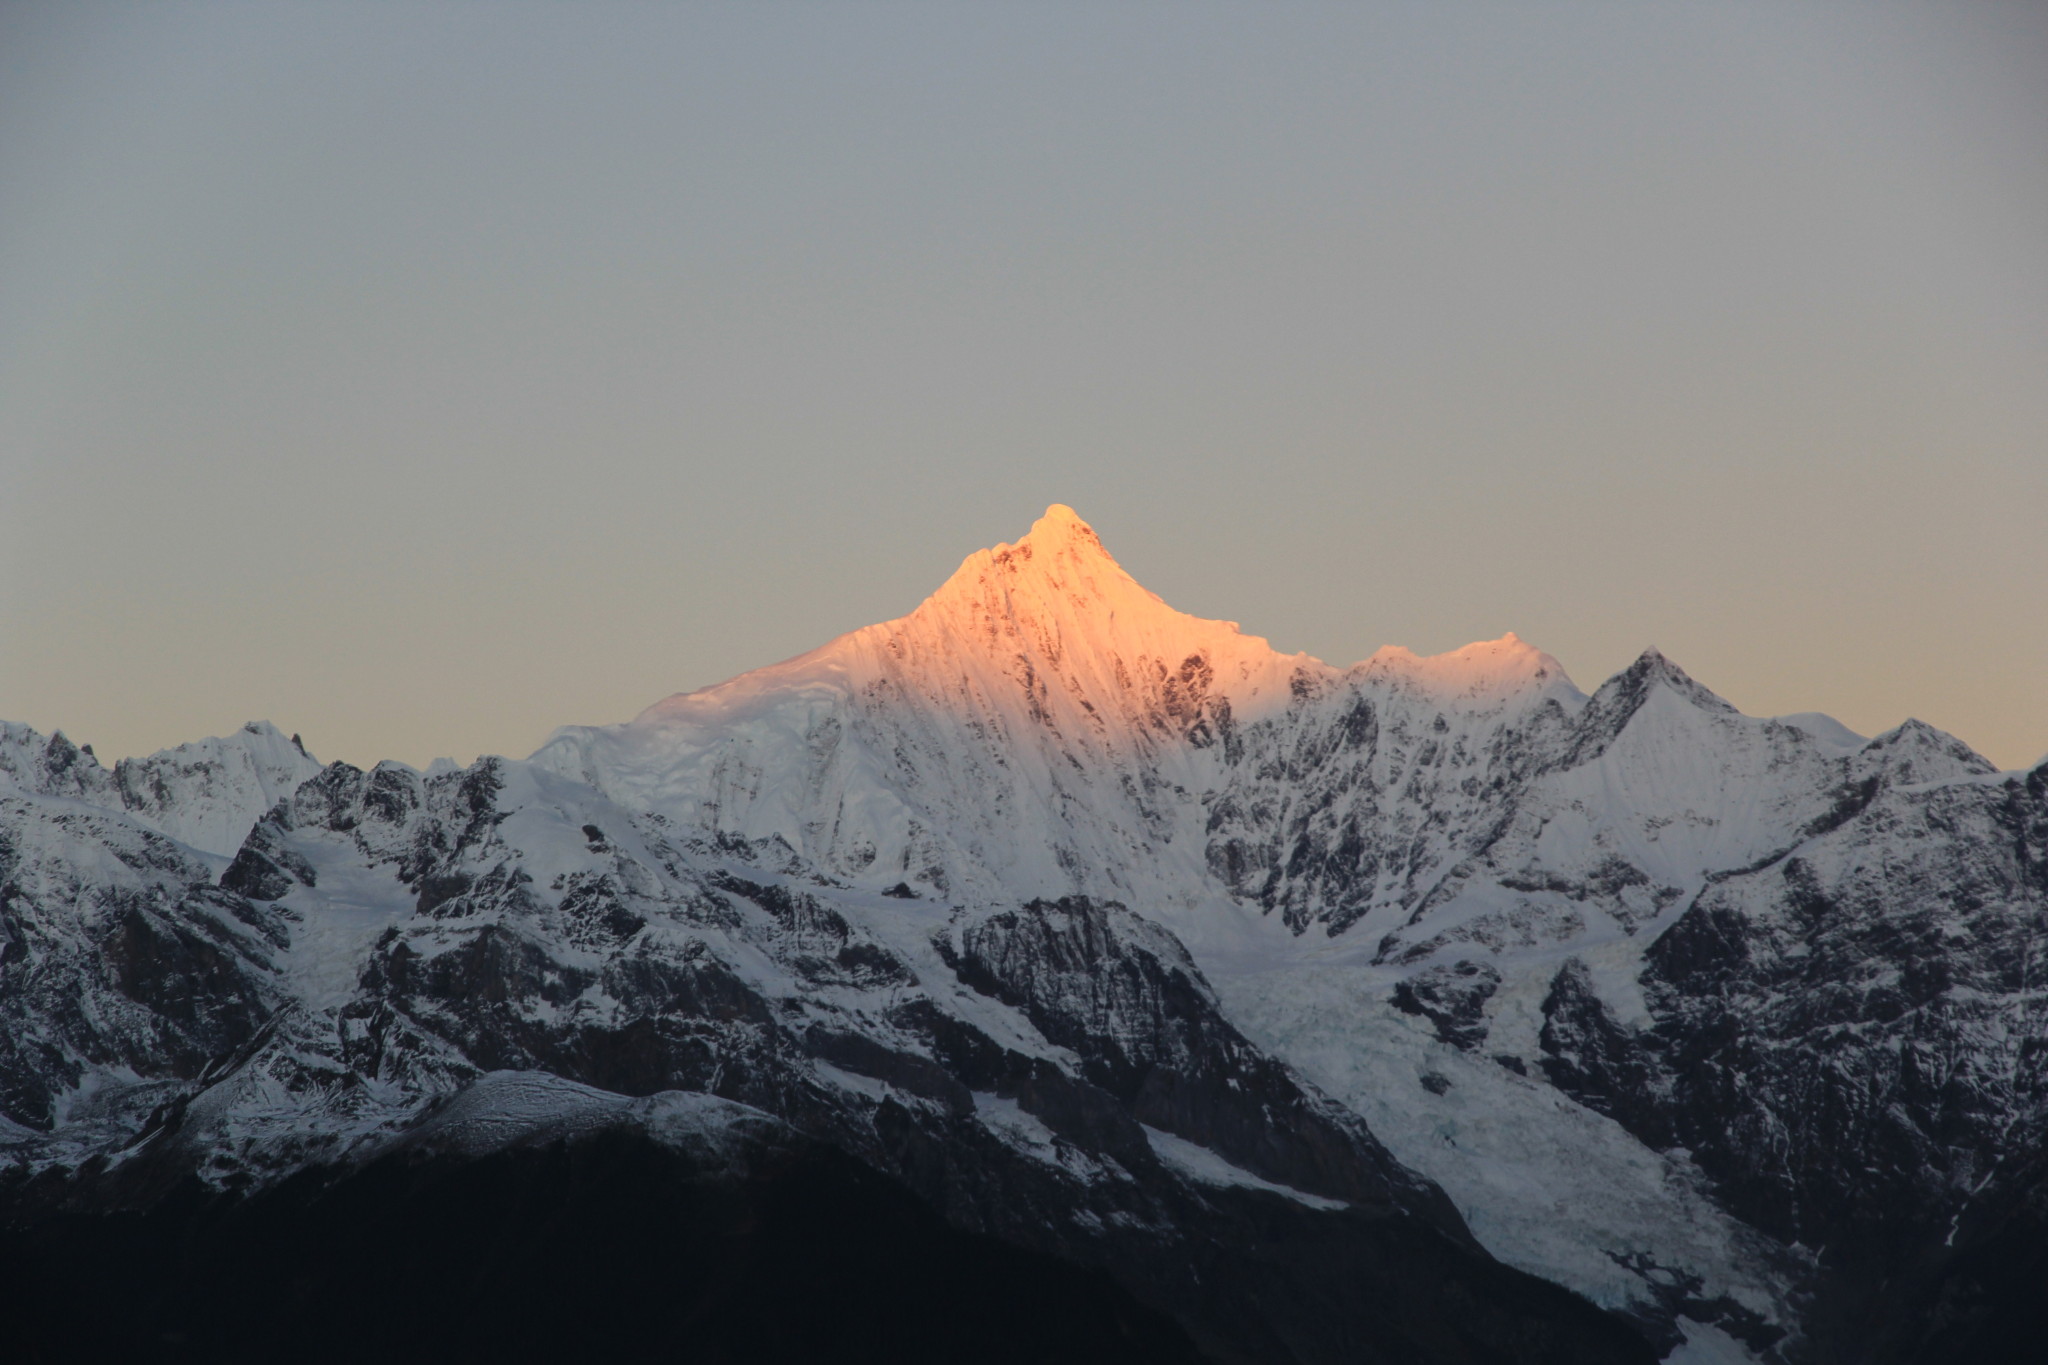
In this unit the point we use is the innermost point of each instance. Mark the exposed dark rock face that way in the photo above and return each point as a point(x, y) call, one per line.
point(1361, 796)
point(1589, 1055)
point(1452, 996)
point(1850, 1039)
point(1122, 993)
point(117, 951)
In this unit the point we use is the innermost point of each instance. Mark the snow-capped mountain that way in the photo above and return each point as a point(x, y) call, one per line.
point(1382, 994)
point(205, 795)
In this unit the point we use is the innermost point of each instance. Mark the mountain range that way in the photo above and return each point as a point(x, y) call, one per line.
point(1045, 946)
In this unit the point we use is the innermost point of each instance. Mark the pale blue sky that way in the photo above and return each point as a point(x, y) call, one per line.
point(422, 377)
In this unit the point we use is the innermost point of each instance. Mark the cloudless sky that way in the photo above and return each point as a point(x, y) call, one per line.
point(424, 376)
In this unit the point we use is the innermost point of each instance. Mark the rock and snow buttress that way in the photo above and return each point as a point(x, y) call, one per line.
point(1428, 1009)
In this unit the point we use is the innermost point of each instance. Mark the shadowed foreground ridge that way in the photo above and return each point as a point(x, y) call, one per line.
point(609, 1247)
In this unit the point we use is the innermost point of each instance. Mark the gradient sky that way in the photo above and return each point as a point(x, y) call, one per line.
point(422, 377)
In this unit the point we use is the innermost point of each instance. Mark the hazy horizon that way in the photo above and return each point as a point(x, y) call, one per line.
point(422, 378)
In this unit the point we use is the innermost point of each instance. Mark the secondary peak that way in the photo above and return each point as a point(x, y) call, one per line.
point(1487, 668)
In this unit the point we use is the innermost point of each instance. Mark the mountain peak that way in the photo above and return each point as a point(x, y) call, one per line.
point(1654, 666)
point(1060, 559)
point(1053, 605)
point(1060, 523)
point(1057, 605)
point(1484, 668)
point(1059, 535)
point(1621, 696)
